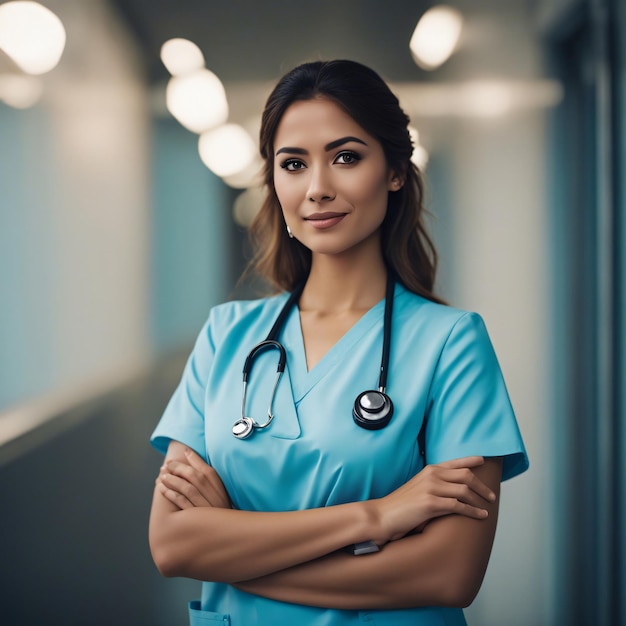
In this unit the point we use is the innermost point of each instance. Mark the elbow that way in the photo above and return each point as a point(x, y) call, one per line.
point(461, 590)
point(165, 561)
point(166, 554)
point(461, 598)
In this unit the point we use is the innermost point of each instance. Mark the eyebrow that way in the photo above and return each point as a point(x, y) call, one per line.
point(329, 146)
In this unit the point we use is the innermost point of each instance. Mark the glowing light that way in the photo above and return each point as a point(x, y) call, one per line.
point(420, 155)
point(248, 177)
point(197, 100)
point(227, 150)
point(20, 91)
point(436, 36)
point(247, 205)
point(31, 35)
point(181, 56)
point(486, 99)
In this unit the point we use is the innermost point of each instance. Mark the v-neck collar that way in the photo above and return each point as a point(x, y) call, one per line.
point(302, 379)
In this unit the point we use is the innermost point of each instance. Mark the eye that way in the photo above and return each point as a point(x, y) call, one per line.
point(292, 165)
point(347, 157)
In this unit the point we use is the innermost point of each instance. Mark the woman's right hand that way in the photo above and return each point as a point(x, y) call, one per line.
point(192, 483)
point(443, 489)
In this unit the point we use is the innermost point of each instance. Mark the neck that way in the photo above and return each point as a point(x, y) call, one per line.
point(340, 283)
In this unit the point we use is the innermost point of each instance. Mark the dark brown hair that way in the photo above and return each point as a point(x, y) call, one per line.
point(407, 249)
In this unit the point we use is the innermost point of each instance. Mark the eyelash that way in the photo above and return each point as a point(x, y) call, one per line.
point(355, 156)
point(285, 164)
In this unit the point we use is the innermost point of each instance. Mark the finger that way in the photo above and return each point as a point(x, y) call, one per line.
point(462, 508)
point(200, 465)
point(463, 493)
point(446, 506)
point(185, 488)
point(467, 477)
point(188, 473)
point(174, 497)
point(208, 474)
point(200, 479)
point(209, 489)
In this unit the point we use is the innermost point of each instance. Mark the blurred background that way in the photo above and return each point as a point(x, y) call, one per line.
point(119, 230)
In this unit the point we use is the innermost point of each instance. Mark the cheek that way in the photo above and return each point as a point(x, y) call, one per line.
point(287, 195)
point(375, 194)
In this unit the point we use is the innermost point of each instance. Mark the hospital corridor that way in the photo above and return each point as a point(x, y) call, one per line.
point(129, 174)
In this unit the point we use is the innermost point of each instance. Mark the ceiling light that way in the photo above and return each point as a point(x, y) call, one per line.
point(197, 100)
point(250, 176)
point(227, 150)
point(420, 155)
point(435, 37)
point(247, 205)
point(31, 35)
point(181, 56)
point(20, 91)
point(486, 99)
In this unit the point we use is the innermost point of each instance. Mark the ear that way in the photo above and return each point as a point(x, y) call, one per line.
point(395, 181)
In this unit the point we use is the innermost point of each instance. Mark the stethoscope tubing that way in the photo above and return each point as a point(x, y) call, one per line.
point(372, 409)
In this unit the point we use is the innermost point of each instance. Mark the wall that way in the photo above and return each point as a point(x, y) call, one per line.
point(500, 259)
point(487, 194)
point(74, 215)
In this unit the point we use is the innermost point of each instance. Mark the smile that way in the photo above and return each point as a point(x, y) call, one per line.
point(322, 221)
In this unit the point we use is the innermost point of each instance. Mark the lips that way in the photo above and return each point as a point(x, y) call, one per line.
point(325, 220)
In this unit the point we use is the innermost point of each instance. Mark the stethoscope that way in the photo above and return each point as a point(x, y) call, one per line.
point(372, 409)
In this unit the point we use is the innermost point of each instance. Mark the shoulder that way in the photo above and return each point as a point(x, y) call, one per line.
point(414, 311)
point(235, 311)
point(229, 316)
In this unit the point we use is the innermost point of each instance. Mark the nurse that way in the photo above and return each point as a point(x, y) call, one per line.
point(267, 487)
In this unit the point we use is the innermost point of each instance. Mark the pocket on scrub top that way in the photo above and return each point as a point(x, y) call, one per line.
point(198, 617)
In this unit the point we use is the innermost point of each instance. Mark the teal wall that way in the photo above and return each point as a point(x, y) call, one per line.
point(192, 234)
point(27, 255)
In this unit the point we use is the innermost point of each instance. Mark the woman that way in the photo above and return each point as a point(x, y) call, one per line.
point(264, 505)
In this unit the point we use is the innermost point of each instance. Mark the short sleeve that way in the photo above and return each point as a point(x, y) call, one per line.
point(469, 410)
point(183, 419)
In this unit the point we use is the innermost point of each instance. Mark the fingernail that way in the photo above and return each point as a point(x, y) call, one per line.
point(492, 496)
point(187, 451)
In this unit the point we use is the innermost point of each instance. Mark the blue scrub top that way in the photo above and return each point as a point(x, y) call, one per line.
point(442, 368)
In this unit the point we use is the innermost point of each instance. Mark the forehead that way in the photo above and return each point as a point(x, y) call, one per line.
point(316, 121)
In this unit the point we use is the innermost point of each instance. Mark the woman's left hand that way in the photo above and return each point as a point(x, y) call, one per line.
point(192, 484)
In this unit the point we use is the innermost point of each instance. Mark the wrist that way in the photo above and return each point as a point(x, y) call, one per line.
point(373, 524)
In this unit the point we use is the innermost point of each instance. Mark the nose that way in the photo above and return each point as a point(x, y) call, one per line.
point(321, 188)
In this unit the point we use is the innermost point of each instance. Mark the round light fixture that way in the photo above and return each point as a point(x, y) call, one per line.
point(197, 100)
point(227, 150)
point(31, 35)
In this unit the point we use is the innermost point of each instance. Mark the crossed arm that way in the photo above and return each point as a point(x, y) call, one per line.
point(437, 531)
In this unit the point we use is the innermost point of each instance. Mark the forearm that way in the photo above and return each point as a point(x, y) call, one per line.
point(413, 571)
point(194, 533)
point(443, 566)
point(228, 545)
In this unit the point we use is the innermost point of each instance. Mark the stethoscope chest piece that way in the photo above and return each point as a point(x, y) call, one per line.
point(243, 428)
point(372, 410)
